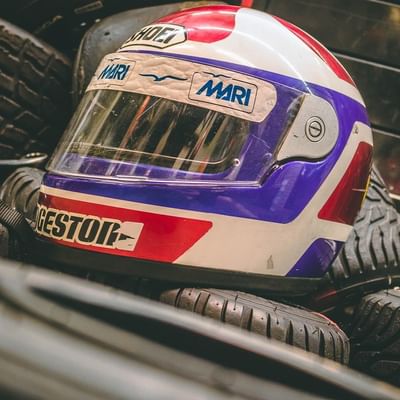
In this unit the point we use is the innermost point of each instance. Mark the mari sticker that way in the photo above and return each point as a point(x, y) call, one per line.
point(223, 90)
point(205, 86)
point(115, 71)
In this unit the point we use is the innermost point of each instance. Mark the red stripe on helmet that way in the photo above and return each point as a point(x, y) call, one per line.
point(345, 201)
point(320, 50)
point(206, 24)
point(161, 238)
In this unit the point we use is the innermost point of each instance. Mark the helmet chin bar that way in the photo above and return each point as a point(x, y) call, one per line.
point(314, 131)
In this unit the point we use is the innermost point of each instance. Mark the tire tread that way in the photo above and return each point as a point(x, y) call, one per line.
point(369, 259)
point(34, 93)
point(291, 325)
point(375, 335)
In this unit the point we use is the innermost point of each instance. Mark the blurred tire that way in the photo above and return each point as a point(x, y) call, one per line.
point(21, 191)
point(375, 335)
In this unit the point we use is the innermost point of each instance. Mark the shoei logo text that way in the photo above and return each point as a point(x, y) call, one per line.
point(224, 91)
point(114, 71)
point(87, 229)
point(159, 35)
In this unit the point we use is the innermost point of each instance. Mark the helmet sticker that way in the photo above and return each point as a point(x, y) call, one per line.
point(157, 35)
point(87, 229)
point(228, 92)
point(103, 226)
point(223, 90)
point(116, 71)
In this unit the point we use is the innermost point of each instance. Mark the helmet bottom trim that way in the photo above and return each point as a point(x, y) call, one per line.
point(78, 259)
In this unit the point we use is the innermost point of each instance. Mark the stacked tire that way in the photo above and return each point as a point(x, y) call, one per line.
point(369, 260)
point(35, 82)
point(375, 335)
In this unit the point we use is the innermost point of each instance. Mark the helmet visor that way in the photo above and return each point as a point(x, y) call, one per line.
point(148, 130)
point(155, 118)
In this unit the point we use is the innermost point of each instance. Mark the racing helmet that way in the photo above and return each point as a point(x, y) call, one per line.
point(219, 145)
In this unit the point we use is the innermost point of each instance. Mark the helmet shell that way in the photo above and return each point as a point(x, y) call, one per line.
point(288, 208)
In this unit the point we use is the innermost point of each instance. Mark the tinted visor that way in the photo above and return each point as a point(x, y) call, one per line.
point(143, 129)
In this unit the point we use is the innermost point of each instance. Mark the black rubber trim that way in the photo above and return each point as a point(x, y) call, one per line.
point(256, 283)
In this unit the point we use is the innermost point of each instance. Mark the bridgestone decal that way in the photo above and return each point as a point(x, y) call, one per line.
point(87, 229)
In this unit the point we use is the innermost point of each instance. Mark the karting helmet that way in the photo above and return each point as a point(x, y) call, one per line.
point(219, 145)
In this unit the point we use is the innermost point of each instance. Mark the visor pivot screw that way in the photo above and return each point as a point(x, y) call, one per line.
point(315, 129)
point(236, 162)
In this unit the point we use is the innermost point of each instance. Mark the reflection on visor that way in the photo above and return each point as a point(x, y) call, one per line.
point(142, 129)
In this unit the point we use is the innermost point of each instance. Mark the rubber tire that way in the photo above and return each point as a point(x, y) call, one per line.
point(9, 245)
point(375, 335)
point(35, 103)
point(369, 260)
point(295, 326)
point(21, 191)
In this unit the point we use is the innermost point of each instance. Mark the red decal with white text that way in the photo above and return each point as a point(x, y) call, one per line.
point(115, 230)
